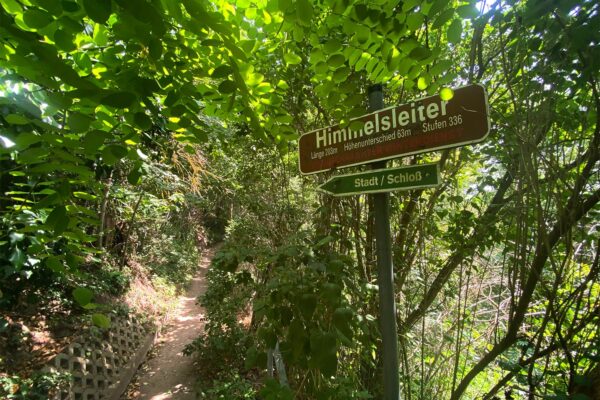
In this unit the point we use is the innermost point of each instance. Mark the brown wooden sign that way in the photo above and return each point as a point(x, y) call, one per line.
point(422, 125)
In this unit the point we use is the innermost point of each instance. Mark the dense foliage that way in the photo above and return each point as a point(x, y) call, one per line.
point(124, 123)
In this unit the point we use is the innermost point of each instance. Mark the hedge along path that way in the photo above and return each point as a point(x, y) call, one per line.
point(171, 375)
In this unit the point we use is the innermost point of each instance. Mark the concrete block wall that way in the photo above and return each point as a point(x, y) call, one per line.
point(101, 364)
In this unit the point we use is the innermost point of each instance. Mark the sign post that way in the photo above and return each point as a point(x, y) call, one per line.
point(385, 276)
point(423, 125)
point(383, 180)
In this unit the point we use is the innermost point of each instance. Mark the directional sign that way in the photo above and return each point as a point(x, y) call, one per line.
point(422, 125)
point(383, 180)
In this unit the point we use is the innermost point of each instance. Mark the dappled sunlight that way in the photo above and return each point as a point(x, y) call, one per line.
point(407, 193)
point(193, 318)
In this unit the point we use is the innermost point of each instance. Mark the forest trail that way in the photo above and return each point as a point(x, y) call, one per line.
point(170, 374)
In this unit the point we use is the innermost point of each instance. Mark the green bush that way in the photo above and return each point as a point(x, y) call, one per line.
point(230, 386)
point(225, 340)
point(40, 386)
point(171, 259)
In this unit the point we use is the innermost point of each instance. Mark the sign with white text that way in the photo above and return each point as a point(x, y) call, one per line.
point(422, 125)
point(383, 180)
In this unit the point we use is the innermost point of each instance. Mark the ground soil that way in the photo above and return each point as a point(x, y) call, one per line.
point(168, 374)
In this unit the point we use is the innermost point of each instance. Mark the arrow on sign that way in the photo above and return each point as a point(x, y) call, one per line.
point(383, 180)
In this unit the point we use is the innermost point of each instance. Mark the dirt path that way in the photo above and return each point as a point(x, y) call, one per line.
point(170, 374)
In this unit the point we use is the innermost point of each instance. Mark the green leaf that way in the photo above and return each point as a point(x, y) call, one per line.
point(78, 122)
point(370, 67)
point(55, 264)
point(145, 13)
point(328, 239)
point(331, 293)
point(58, 100)
point(52, 6)
point(250, 13)
point(454, 31)
point(58, 220)
point(304, 11)
point(323, 349)
point(155, 48)
point(101, 320)
point(283, 85)
point(284, 5)
point(26, 139)
point(470, 11)
point(172, 98)
point(446, 94)
point(82, 296)
point(332, 46)
point(341, 74)
point(64, 40)
point(93, 140)
point(263, 88)
point(440, 67)
point(268, 336)
point(420, 53)
point(17, 257)
point(221, 71)
point(292, 58)
point(178, 110)
point(107, 157)
point(16, 119)
point(117, 150)
point(355, 126)
point(362, 33)
point(70, 6)
point(134, 176)
point(415, 20)
point(83, 61)
point(321, 68)
point(342, 320)
point(267, 18)
point(410, 4)
point(227, 87)
point(16, 237)
point(98, 10)
point(11, 6)
point(336, 60)
point(307, 304)
point(251, 358)
point(36, 18)
point(437, 6)
point(119, 99)
point(273, 390)
point(443, 18)
point(362, 11)
point(85, 196)
point(142, 121)
point(247, 46)
point(362, 62)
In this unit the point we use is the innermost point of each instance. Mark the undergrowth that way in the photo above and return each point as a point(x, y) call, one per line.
point(40, 386)
point(228, 386)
